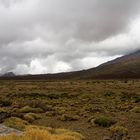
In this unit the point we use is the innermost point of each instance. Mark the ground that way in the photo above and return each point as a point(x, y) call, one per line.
point(97, 109)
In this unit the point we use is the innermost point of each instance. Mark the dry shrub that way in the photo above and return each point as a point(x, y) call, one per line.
point(36, 133)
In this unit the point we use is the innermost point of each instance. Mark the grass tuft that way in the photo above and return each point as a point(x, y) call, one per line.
point(36, 133)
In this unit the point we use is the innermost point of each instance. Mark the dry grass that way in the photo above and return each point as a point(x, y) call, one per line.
point(36, 133)
point(73, 105)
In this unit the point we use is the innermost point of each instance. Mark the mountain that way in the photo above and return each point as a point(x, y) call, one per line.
point(127, 66)
point(8, 74)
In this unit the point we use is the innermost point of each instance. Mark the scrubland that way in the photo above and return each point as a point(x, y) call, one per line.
point(71, 110)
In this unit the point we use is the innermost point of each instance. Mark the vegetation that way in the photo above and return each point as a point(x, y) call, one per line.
point(30, 117)
point(16, 123)
point(135, 109)
point(28, 109)
point(104, 121)
point(119, 132)
point(37, 133)
point(94, 108)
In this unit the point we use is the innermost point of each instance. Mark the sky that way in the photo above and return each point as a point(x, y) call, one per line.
point(50, 36)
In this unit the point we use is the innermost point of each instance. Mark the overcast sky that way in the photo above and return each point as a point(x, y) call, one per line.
point(48, 36)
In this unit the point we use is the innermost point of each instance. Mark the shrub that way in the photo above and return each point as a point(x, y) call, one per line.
point(2, 110)
point(118, 132)
point(104, 121)
point(119, 129)
point(28, 109)
point(136, 99)
point(135, 110)
point(67, 117)
point(51, 113)
point(5, 102)
point(30, 117)
point(16, 123)
point(108, 93)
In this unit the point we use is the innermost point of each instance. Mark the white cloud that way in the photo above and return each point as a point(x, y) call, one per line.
point(43, 36)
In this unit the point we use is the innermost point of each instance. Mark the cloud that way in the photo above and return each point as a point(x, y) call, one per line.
point(41, 36)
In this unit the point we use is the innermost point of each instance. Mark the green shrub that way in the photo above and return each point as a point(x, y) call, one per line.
point(104, 121)
point(28, 109)
point(135, 109)
point(16, 123)
point(136, 99)
point(108, 93)
point(30, 117)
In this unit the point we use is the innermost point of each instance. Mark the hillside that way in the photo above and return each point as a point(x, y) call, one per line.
point(124, 67)
point(127, 66)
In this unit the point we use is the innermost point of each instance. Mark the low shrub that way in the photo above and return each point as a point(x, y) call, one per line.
point(67, 117)
point(136, 99)
point(28, 109)
point(5, 103)
point(2, 110)
point(104, 121)
point(16, 123)
point(30, 117)
point(118, 132)
point(135, 109)
point(108, 93)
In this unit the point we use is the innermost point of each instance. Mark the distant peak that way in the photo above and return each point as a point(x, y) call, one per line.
point(8, 74)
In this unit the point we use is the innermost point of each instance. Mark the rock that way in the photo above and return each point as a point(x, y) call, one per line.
point(6, 130)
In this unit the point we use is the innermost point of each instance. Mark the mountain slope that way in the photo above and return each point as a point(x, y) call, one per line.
point(127, 66)
point(124, 67)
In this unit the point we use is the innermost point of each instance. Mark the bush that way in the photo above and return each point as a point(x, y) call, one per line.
point(135, 110)
point(108, 93)
point(2, 110)
point(119, 129)
point(104, 121)
point(16, 123)
point(30, 117)
point(136, 99)
point(118, 132)
point(67, 117)
point(5, 103)
point(28, 109)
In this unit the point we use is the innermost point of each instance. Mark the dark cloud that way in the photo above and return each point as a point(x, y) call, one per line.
point(38, 36)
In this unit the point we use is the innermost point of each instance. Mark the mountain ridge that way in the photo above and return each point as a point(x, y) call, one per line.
point(8, 74)
point(127, 66)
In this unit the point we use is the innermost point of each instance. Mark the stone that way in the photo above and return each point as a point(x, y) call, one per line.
point(4, 130)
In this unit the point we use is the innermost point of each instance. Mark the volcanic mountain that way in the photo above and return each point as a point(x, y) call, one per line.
point(8, 74)
point(127, 66)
